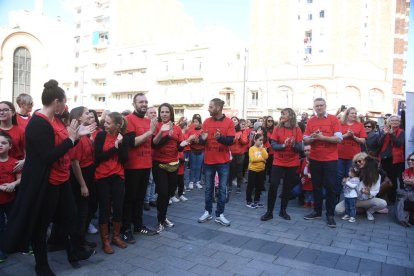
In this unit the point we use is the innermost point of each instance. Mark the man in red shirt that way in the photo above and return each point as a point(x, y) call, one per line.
point(217, 134)
point(324, 133)
point(138, 167)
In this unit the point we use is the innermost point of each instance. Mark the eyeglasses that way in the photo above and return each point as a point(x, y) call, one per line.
point(5, 110)
point(410, 160)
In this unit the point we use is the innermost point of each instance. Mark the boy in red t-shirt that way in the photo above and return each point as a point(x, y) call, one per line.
point(8, 182)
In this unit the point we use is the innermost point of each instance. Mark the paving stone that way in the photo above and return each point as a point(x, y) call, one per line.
point(390, 269)
point(271, 248)
point(307, 255)
point(365, 255)
point(253, 244)
point(231, 257)
point(369, 267)
point(177, 262)
point(257, 255)
point(400, 262)
point(289, 251)
point(294, 242)
point(206, 270)
point(350, 246)
point(348, 263)
point(240, 269)
point(269, 266)
point(331, 249)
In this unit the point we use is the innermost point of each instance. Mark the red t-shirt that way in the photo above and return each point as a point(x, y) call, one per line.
point(168, 152)
point(22, 121)
point(214, 152)
point(349, 147)
point(139, 157)
point(286, 157)
point(7, 176)
point(323, 151)
point(269, 135)
point(18, 142)
point(84, 152)
point(112, 165)
point(305, 173)
point(195, 146)
point(60, 171)
point(181, 167)
point(247, 146)
point(93, 134)
point(240, 140)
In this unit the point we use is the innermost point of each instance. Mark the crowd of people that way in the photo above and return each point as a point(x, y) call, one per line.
point(59, 168)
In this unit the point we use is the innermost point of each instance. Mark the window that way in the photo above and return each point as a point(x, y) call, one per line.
point(77, 39)
point(322, 14)
point(308, 50)
point(76, 69)
point(101, 99)
point(76, 54)
point(78, 11)
point(310, 16)
point(375, 99)
point(78, 26)
point(118, 97)
point(227, 101)
point(129, 96)
point(21, 72)
point(165, 65)
point(178, 112)
point(309, 1)
point(254, 98)
point(284, 96)
point(227, 95)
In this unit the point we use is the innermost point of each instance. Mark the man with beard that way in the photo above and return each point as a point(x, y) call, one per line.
point(138, 167)
point(217, 134)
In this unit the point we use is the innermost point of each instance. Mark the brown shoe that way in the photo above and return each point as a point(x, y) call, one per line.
point(106, 246)
point(116, 235)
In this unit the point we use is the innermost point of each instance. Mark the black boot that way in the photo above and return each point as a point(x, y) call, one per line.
point(283, 214)
point(268, 215)
point(77, 253)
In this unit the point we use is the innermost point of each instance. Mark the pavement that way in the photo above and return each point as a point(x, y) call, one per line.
point(248, 247)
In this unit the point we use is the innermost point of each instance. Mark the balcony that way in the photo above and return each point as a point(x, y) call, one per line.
point(97, 89)
point(180, 77)
point(140, 66)
point(128, 86)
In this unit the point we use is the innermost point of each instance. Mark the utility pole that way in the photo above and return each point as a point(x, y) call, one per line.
point(244, 113)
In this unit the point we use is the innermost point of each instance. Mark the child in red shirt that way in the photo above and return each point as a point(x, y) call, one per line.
point(8, 182)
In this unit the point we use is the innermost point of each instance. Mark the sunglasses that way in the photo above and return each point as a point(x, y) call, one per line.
point(368, 126)
point(270, 120)
point(359, 161)
point(410, 160)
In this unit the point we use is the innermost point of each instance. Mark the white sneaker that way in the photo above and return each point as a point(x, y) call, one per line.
point(191, 185)
point(92, 229)
point(222, 220)
point(346, 217)
point(168, 223)
point(205, 217)
point(234, 182)
point(198, 185)
point(351, 219)
point(183, 198)
point(169, 202)
point(370, 216)
point(175, 199)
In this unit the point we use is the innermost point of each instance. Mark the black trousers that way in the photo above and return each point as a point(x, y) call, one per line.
point(236, 169)
point(164, 183)
point(82, 203)
point(255, 180)
point(110, 189)
point(324, 174)
point(394, 172)
point(288, 174)
point(269, 165)
point(136, 183)
point(59, 206)
point(180, 185)
point(93, 194)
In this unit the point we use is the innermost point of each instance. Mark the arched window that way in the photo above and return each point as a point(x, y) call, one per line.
point(316, 91)
point(284, 97)
point(375, 99)
point(350, 97)
point(21, 72)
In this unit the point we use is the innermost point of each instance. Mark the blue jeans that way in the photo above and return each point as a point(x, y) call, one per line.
point(4, 216)
point(343, 169)
point(309, 196)
point(223, 174)
point(350, 208)
point(196, 162)
point(150, 196)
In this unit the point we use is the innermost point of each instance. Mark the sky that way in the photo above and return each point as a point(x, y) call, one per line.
point(232, 15)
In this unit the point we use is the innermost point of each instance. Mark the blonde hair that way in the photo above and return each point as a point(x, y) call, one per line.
point(358, 156)
point(344, 118)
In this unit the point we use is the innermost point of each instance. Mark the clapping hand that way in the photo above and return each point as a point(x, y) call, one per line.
point(217, 134)
point(118, 140)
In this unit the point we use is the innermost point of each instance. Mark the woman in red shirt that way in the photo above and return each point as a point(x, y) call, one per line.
point(82, 173)
point(196, 154)
point(45, 191)
point(286, 142)
point(167, 142)
point(8, 123)
point(237, 154)
point(353, 134)
point(110, 155)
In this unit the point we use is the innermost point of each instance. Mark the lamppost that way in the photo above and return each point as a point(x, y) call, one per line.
point(244, 113)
